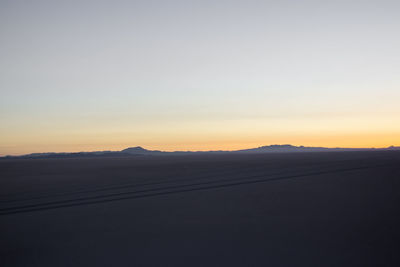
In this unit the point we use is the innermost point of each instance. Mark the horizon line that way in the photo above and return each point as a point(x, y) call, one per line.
point(208, 150)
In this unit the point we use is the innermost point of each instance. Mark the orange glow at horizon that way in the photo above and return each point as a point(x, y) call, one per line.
point(376, 140)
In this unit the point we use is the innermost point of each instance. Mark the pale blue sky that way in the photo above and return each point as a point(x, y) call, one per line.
point(71, 71)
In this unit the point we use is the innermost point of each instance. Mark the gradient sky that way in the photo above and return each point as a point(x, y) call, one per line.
point(198, 75)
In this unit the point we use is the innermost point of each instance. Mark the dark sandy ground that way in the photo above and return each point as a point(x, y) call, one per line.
point(300, 209)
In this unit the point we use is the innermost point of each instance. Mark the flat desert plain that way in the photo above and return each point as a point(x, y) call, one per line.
point(278, 209)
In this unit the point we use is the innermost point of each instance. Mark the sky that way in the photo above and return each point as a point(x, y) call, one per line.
point(198, 75)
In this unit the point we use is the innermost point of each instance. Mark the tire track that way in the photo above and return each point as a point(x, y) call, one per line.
point(201, 176)
point(166, 191)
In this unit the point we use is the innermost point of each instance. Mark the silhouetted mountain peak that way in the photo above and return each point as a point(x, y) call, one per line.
point(136, 149)
point(278, 146)
point(284, 148)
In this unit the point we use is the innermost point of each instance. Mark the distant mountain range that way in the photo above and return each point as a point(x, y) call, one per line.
point(140, 151)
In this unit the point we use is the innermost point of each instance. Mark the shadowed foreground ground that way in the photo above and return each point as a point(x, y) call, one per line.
point(304, 209)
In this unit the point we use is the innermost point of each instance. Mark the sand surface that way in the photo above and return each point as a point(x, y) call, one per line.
point(299, 209)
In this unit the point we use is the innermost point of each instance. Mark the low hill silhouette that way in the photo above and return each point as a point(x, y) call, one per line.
point(140, 151)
